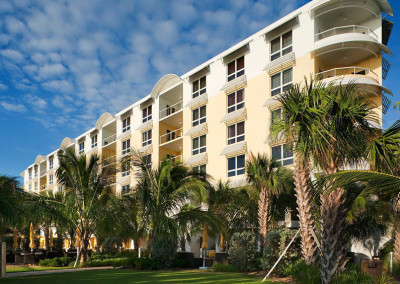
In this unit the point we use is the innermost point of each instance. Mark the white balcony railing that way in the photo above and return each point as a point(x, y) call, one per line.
point(110, 180)
point(345, 30)
point(170, 110)
point(176, 158)
point(43, 172)
point(347, 71)
point(43, 187)
point(171, 136)
point(109, 160)
point(109, 139)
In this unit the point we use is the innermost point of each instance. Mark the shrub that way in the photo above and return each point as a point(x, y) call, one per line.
point(304, 273)
point(148, 263)
point(277, 241)
point(112, 244)
point(353, 277)
point(219, 267)
point(186, 257)
point(56, 262)
point(178, 262)
point(243, 251)
point(164, 249)
point(115, 262)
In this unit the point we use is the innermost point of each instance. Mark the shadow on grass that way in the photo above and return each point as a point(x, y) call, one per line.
point(133, 276)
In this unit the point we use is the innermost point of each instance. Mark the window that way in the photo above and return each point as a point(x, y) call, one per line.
point(36, 171)
point(199, 116)
point(199, 87)
point(200, 169)
point(236, 68)
point(281, 45)
point(147, 159)
point(126, 146)
point(235, 133)
point(236, 166)
point(81, 147)
point(51, 179)
point(30, 188)
point(30, 173)
point(126, 188)
point(126, 124)
point(51, 163)
point(236, 100)
point(36, 185)
point(125, 173)
point(199, 145)
point(147, 113)
point(94, 141)
point(281, 82)
point(283, 153)
point(146, 137)
point(60, 188)
point(275, 114)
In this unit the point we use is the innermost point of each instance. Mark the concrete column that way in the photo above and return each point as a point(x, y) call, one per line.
point(3, 259)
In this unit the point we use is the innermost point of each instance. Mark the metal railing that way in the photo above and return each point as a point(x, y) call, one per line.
point(346, 30)
point(170, 136)
point(43, 172)
point(170, 110)
point(176, 158)
point(109, 160)
point(109, 139)
point(347, 71)
point(110, 180)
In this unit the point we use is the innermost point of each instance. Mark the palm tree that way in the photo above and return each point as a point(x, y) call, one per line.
point(270, 178)
point(163, 191)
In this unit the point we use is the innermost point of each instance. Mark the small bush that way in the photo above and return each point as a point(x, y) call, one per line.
point(219, 267)
point(304, 273)
point(164, 249)
point(56, 262)
point(178, 262)
point(148, 264)
point(115, 262)
point(243, 251)
point(353, 277)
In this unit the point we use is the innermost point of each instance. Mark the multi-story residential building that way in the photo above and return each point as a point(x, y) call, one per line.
point(212, 116)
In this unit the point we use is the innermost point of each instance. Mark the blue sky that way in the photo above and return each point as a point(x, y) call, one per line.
point(63, 63)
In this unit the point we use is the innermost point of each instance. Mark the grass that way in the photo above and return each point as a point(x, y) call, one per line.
point(11, 269)
point(116, 276)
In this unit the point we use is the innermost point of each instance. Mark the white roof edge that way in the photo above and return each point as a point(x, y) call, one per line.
point(383, 4)
point(265, 30)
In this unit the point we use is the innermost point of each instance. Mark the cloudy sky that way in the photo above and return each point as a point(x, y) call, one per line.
point(63, 63)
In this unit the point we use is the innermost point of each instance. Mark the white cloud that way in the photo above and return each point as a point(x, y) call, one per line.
point(35, 101)
point(12, 54)
point(3, 87)
point(13, 107)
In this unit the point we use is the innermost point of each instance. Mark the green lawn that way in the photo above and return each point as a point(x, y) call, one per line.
point(116, 276)
point(11, 269)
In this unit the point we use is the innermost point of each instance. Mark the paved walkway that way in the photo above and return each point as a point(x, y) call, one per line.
point(42, 272)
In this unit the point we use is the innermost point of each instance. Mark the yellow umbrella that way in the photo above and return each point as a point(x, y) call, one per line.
point(204, 244)
point(15, 245)
point(32, 237)
point(51, 239)
point(221, 241)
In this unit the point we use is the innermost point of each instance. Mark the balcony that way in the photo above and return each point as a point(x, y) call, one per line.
point(110, 181)
point(346, 30)
point(170, 136)
point(171, 110)
point(109, 140)
point(109, 161)
point(345, 71)
point(43, 173)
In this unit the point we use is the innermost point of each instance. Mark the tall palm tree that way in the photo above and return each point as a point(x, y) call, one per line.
point(163, 191)
point(300, 123)
point(270, 178)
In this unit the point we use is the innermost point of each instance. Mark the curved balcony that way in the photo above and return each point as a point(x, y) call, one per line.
point(346, 30)
point(362, 76)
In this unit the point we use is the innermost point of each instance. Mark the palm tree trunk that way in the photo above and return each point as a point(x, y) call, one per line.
point(304, 208)
point(46, 237)
point(396, 249)
point(263, 216)
point(183, 243)
point(333, 230)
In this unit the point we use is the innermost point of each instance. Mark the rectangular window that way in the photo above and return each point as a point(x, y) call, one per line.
point(199, 145)
point(281, 82)
point(30, 188)
point(81, 147)
point(146, 137)
point(147, 113)
point(281, 45)
point(235, 133)
point(36, 171)
point(126, 188)
point(275, 114)
point(60, 188)
point(283, 153)
point(125, 173)
point(199, 116)
point(94, 141)
point(236, 166)
point(126, 146)
point(30, 173)
point(236, 100)
point(147, 159)
point(236, 68)
point(51, 179)
point(199, 87)
point(36, 185)
point(126, 124)
point(51, 163)
point(200, 169)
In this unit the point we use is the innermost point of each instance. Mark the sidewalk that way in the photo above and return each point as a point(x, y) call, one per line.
point(29, 273)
